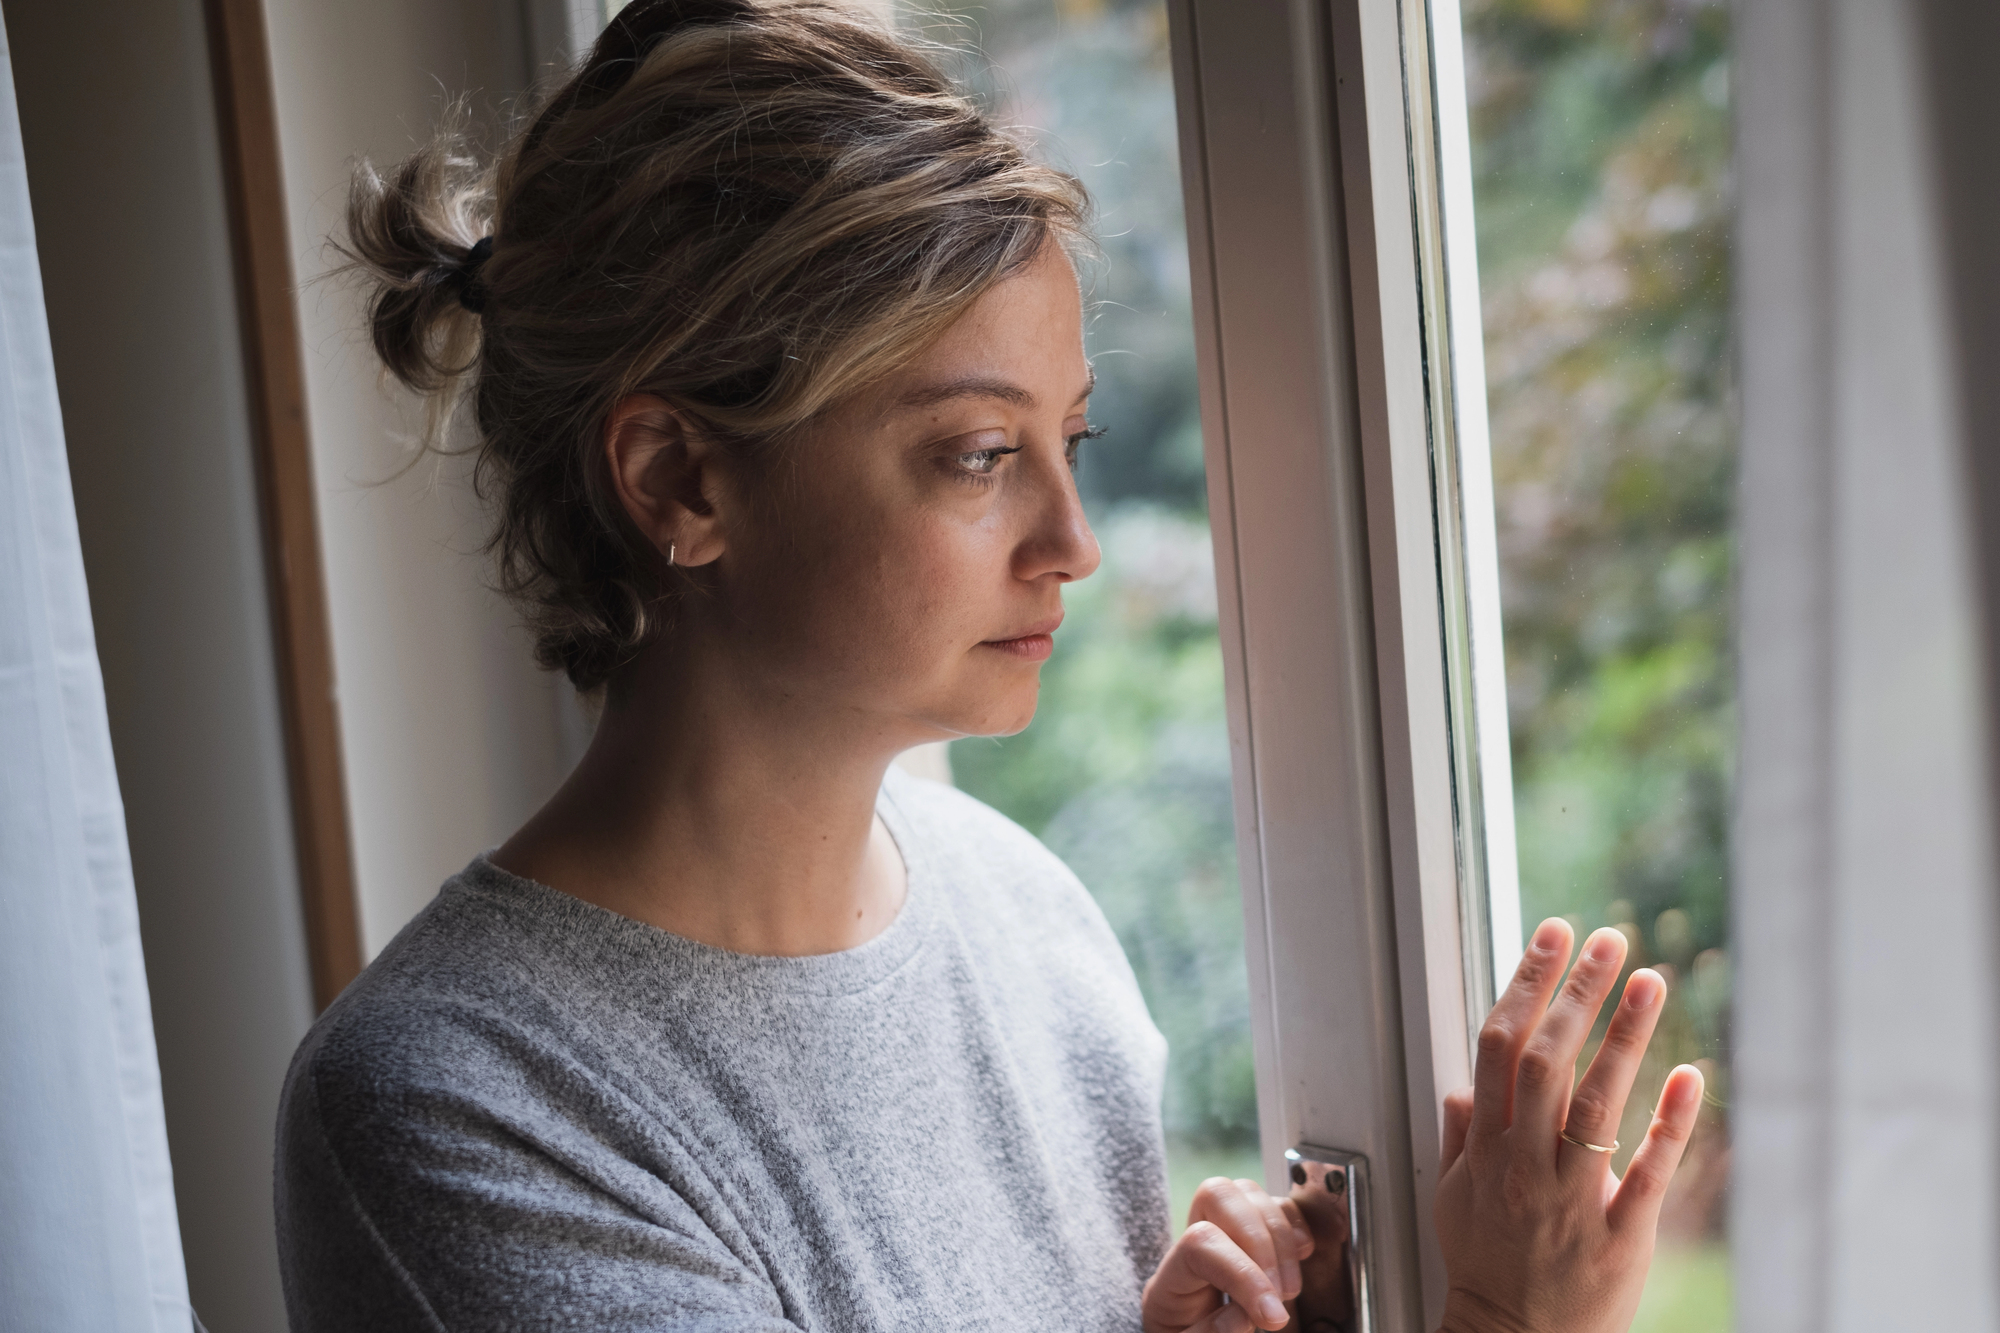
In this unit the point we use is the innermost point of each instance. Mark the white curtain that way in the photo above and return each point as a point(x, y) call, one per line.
point(1867, 1084)
point(88, 1234)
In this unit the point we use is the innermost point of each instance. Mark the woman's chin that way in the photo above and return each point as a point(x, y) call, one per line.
point(988, 716)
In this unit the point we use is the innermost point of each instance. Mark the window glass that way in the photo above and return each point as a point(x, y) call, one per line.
point(1600, 159)
point(1125, 771)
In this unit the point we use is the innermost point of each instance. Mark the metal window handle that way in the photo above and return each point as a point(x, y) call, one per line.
point(1330, 1186)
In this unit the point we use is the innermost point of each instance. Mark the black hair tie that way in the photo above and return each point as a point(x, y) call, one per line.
point(472, 292)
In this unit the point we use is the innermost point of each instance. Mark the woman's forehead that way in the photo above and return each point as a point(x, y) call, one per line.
point(1021, 343)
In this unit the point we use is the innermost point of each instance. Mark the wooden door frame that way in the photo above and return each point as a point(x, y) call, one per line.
point(260, 241)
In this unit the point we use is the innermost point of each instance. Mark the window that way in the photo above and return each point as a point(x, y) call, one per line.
point(1404, 550)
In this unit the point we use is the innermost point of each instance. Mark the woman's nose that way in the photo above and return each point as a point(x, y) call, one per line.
point(1060, 541)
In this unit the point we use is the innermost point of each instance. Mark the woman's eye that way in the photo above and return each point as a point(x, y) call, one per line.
point(1075, 442)
point(981, 462)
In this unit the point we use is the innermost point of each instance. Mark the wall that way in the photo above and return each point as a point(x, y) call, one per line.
point(451, 735)
point(125, 174)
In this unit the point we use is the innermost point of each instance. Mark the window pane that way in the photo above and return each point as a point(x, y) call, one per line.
point(1600, 158)
point(1125, 771)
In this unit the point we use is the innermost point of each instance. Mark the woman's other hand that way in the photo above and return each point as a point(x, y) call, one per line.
point(1241, 1243)
point(1538, 1233)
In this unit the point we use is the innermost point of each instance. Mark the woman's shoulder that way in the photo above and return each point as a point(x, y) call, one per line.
point(475, 981)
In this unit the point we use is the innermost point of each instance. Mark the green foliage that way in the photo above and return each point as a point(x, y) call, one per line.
point(1601, 158)
point(1688, 1291)
point(1190, 1164)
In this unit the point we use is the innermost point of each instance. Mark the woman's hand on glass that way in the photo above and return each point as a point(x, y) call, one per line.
point(1538, 1233)
point(1241, 1243)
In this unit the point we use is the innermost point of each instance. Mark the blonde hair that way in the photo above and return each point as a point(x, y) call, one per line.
point(752, 208)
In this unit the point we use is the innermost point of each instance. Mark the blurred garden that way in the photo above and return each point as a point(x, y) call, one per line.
point(1601, 161)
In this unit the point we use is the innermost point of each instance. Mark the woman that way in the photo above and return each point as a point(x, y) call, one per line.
point(773, 349)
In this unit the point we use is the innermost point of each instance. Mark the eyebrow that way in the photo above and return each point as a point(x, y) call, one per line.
point(930, 395)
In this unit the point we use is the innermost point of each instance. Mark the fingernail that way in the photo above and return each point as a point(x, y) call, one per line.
point(1276, 1278)
point(1604, 945)
point(1305, 1239)
point(1548, 935)
point(1642, 990)
point(1272, 1309)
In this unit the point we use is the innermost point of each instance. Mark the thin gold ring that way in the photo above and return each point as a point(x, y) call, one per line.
point(1594, 1147)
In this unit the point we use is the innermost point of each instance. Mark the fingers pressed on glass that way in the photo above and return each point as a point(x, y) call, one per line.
point(1548, 1062)
point(1512, 1022)
point(1283, 1241)
point(1457, 1124)
point(1637, 1202)
point(1214, 1258)
point(1599, 1102)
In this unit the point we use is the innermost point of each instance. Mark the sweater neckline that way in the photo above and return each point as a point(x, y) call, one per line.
point(596, 935)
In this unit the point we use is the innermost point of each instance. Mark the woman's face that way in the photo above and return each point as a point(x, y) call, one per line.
point(904, 567)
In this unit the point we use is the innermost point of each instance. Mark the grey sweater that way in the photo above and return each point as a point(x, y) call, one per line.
point(530, 1113)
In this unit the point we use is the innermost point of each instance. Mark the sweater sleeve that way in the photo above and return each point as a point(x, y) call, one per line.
point(407, 1205)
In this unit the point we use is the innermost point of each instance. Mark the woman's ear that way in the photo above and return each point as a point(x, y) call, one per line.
point(668, 475)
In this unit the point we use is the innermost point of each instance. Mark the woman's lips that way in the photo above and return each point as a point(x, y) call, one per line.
point(1029, 647)
point(1033, 646)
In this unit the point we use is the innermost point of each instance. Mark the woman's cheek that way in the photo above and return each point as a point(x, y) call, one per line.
point(955, 575)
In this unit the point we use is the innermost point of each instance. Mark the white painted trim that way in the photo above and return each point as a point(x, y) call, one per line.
point(1310, 339)
point(1475, 480)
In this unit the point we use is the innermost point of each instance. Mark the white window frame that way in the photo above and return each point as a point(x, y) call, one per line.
point(1350, 496)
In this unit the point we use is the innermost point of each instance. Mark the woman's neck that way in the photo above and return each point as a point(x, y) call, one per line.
point(724, 818)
